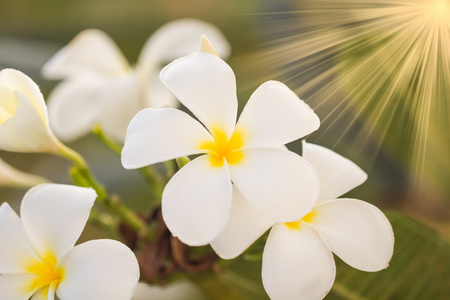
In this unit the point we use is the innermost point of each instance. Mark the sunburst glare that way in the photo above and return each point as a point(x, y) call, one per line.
point(381, 68)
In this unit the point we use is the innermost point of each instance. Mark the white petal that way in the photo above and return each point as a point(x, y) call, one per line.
point(42, 294)
point(8, 103)
point(280, 184)
point(357, 232)
point(10, 176)
point(54, 215)
point(245, 225)
point(121, 100)
point(182, 289)
point(196, 202)
point(9, 140)
point(180, 38)
point(15, 251)
point(337, 174)
point(18, 81)
point(206, 85)
point(90, 52)
point(171, 41)
point(99, 269)
point(74, 106)
point(15, 286)
point(156, 135)
point(52, 291)
point(297, 264)
point(31, 129)
point(275, 116)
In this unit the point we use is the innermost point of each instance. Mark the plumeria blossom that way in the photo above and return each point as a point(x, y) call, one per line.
point(38, 258)
point(197, 200)
point(100, 87)
point(297, 259)
point(24, 125)
point(11, 177)
point(182, 289)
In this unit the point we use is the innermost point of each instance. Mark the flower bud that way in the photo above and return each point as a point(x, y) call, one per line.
point(23, 115)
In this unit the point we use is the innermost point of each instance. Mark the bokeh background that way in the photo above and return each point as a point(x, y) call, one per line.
point(376, 72)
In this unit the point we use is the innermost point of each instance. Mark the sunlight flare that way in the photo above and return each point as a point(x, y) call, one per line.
point(380, 69)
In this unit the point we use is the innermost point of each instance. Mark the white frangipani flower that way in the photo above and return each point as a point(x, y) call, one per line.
point(11, 177)
point(38, 258)
point(297, 259)
point(100, 87)
point(23, 115)
point(196, 202)
point(182, 289)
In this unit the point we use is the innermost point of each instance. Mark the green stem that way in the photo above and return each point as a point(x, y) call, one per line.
point(105, 221)
point(112, 144)
point(82, 176)
point(83, 170)
point(155, 181)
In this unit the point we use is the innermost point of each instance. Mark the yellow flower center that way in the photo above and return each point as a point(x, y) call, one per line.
point(309, 218)
point(223, 148)
point(47, 271)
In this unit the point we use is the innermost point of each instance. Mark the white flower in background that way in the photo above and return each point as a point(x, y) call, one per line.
point(23, 115)
point(38, 258)
point(297, 259)
point(196, 202)
point(182, 289)
point(100, 87)
point(11, 177)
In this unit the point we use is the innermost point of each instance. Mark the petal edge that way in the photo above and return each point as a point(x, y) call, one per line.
point(356, 231)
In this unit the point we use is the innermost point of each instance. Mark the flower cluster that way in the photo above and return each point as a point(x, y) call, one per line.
point(197, 200)
point(247, 182)
point(239, 181)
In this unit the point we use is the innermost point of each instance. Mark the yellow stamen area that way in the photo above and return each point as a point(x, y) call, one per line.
point(47, 271)
point(293, 225)
point(309, 218)
point(223, 148)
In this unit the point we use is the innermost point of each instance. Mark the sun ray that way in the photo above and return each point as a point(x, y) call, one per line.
point(379, 68)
